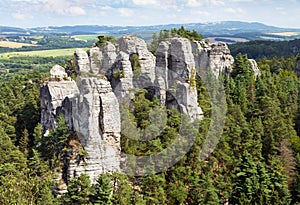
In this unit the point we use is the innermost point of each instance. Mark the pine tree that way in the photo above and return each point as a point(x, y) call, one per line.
point(37, 134)
point(246, 182)
point(122, 189)
point(279, 186)
point(79, 191)
point(102, 190)
point(24, 143)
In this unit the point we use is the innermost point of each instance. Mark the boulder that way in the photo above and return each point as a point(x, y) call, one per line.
point(58, 72)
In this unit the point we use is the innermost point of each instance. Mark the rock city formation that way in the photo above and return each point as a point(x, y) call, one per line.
point(106, 75)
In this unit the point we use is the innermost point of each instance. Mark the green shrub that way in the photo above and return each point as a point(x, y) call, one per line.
point(136, 65)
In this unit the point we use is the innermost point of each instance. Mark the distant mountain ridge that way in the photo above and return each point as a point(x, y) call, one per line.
point(238, 29)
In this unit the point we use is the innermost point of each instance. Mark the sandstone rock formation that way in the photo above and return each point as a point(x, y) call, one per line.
point(53, 94)
point(254, 67)
point(108, 74)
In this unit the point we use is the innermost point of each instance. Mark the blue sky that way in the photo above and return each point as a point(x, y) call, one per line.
point(33, 13)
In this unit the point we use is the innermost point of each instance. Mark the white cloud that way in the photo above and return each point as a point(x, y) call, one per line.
point(125, 12)
point(198, 14)
point(31, 1)
point(144, 2)
point(57, 6)
point(233, 10)
point(197, 3)
point(160, 4)
point(18, 16)
point(194, 3)
point(75, 11)
point(106, 8)
point(217, 2)
point(63, 7)
point(241, 1)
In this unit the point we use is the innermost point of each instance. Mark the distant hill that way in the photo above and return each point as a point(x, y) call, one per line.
point(4, 30)
point(230, 30)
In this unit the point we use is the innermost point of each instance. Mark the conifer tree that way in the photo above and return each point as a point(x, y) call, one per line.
point(79, 191)
point(102, 190)
point(24, 143)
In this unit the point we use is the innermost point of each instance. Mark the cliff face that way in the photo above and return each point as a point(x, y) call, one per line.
point(108, 75)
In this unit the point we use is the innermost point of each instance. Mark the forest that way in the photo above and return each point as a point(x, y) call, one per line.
point(257, 160)
point(269, 49)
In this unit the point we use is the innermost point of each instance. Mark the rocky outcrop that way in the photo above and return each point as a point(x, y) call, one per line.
point(177, 63)
point(254, 67)
point(53, 93)
point(214, 58)
point(220, 60)
point(82, 61)
point(111, 73)
point(91, 110)
point(176, 77)
point(96, 120)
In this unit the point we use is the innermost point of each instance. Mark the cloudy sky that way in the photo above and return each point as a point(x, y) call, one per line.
point(33, 13)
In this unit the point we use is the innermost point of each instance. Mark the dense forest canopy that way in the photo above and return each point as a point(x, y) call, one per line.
point(257, 160)
point(269, 49)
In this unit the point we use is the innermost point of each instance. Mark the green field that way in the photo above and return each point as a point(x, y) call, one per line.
point(42, 53)
point(85, 37)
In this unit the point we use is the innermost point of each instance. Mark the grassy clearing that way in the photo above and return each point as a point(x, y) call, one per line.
point(10, 44)
point(42, 53)
point(85, 37)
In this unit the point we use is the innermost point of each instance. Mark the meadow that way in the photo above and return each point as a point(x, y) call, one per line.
point(41, 53)
point(10, 44)
point(85, 37)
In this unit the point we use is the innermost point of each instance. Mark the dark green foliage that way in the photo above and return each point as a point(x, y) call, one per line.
point(119, 74)
point(24, 143)
point(55, 143)
point(191, 35)
point(43, 64)
point(79, 191)
point(102, 40)
point(241, 68)
point(165, 35)
point(123, 192)
point(102, 190)
point(269, 49)
point(135, 65)
point(255, 184)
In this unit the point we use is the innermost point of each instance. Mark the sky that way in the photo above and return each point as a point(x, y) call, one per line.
point(41, 13)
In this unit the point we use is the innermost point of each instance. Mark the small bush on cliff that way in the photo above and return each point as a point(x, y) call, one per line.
point(119, 74)
point(191, 35)
point(102, 40)
point(136, 65)
point(167, 34)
